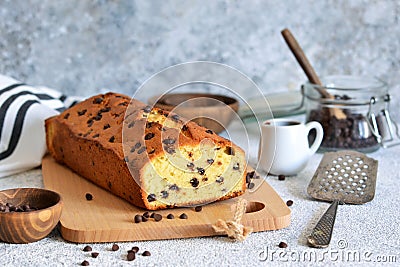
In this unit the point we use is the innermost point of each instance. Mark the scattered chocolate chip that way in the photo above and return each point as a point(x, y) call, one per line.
point(164, 194)
point(201, 171)
point(144, 219)
point(131, 255)
point(106, 126)
point(141, 150)
point(151, 197)
point(210, 161)
point(146, 214)
point(148, 136)
point(249, 176)
point(130, 125)
point(115, 247)
point(66, 116)
point(170, 216)
point(152, 215)
point(87, 248)
point(95, 254)
point(282, 245)
point(209, 131)
point(146, 253)
point(82, 112)
point(85, 263)
point(89, 196)
point(289, 203)
point(138, 218)
point(250, 185)
point(157, 217)
point(147, 109)
point(97, 100)
point(194, 182)
point(112, 139)
point(96, 135)
point(190, 165)
point(183, 216)
point(220, 180)
point(198, 208)
point(135, 249)
point(169, 141)
point(281, 177)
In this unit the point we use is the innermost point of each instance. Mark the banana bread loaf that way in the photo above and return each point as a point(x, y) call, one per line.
point(152, 158)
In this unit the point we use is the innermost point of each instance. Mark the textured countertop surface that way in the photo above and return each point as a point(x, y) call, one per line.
point(363, 234)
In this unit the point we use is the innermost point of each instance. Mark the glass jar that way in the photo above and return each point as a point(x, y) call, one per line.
point(348, 117)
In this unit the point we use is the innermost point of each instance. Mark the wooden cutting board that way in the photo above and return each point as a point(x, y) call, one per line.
point(108, 218)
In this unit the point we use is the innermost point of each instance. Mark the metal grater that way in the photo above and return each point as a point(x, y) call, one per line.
point(342, 177)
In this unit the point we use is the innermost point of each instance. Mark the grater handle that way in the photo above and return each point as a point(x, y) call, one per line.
point(322, 233)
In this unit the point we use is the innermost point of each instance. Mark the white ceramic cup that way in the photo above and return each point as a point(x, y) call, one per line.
point(284, 147)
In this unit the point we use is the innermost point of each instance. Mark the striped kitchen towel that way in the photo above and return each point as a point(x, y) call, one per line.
point(23, 109)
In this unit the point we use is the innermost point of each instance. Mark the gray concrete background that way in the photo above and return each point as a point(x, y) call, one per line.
point(85, 47)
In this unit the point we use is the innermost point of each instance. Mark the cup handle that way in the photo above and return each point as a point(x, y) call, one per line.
point(318, 138)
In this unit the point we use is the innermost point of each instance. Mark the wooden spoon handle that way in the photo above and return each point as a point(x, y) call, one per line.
point(303, 61)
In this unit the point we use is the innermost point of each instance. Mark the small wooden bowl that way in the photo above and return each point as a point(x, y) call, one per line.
point(212, 111)
point(29, 226)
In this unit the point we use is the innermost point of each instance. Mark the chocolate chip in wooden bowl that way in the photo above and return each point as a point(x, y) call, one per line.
point(115, 247)
point(89, 196)
point(170, 216)
point(94, 254)
point(146, 253)
point(289, 203)
point(282, 245)
point(198, 208)
point(138, 218)
point(281, 177)
point(85, 263)
point(183, 216)
point(87, 248)
point(157, 217)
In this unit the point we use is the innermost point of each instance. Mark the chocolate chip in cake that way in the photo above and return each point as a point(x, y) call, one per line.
point(198, 208)
point(115, 247)
point(106, 109)
point(204, 179)
point(94, 254)
point(194, 182)
point(135, 249)
point(106, 126)
point(98, 100)
point(190, 165)
point(201, 171)
point(89, 196)
point(132, 149)
point(169, 150)
point(174, 187)
point(220, 180)
point(131, 124)
point(151, 197)
point(175, 117)
point(152, 151)
point(281, 177)
point(131, 255)
point(85, 263)
point(82, 112)
point(157, 217)
point(123, 104)
point(164, 194)
point(90, 123)
point(96, 135)
point(66, 116)
point(112, 139)
point(236, 166)
point(183, 216)
point(137, 145)
point(170, 216)
point(97, 117)
point(250, 185)
point(282, 245)
point(147, 109)
point(169, 141)
point(209, 131)
point(210, 161)
point(138, 218)
point(146, 253)
point(289, 203)
point(141, 150)
point(148, 136)
point(185, 128)
point(87, 248)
